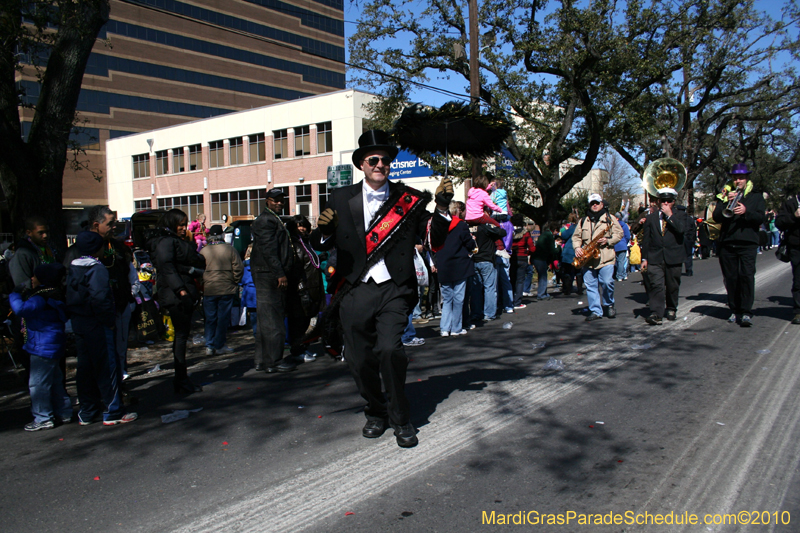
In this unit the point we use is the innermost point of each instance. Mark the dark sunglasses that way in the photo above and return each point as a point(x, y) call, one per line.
point(373, 161)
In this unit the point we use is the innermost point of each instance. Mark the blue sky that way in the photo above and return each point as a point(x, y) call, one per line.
point(457, 85)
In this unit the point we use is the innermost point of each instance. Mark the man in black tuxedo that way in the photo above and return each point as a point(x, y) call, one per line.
point(374, 226)
point(663, 254)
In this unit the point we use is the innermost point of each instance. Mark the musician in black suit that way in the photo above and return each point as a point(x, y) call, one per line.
point(374, 226)
point(663, 254)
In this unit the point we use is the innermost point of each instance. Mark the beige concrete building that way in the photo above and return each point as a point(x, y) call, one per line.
point(224, 165)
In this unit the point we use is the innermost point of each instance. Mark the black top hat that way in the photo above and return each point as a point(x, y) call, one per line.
point(373, 140)
point(216, 229)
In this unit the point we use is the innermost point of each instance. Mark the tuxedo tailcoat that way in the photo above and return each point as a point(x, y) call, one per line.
point(374, 315)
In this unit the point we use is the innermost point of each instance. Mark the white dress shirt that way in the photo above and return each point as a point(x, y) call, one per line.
point(372, 202)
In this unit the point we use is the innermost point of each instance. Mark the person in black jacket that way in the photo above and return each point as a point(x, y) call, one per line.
point(455, 268)
point(177, 265)
point(788, 221)
point(737, 246)
point(271, 262)
point(375, 225)
point(663, 253)
point(484, 282)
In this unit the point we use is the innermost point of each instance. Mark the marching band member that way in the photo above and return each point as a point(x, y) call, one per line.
point(740, 211)
point(598, 229)
point(663, 253)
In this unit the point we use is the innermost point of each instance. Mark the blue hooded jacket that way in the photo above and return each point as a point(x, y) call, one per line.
point(44, 322)
point(89, 297)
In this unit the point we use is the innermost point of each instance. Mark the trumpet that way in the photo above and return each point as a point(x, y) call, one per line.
point(728, 211)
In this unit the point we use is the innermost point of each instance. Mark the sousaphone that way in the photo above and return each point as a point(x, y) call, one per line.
point(664, 172)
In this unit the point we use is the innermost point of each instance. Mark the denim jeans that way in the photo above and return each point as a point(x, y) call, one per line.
point(218, 317)
point(453, 301)
point(595, 280)
point(505, 292)
point(410, 331)
point(484, 291)
point(541, 272)
point(526, 288)
point(776, 237)
point(98, 374)
point(519, 266)
point(621, 269)
point(47, 390)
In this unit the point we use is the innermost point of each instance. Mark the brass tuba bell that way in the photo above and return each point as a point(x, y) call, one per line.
point(664, 172)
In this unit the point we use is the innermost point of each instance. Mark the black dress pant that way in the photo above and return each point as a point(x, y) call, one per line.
point(519, 265)
point(270, 314)
point(738, 265)
point(568, 273)
point(665, 284)
point(689, 256)
point(373, 319)
point(794, 254)
point(181, 316)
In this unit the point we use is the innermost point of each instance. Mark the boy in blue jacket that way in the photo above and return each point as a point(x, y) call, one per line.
point(43, 315)
point(91, 305)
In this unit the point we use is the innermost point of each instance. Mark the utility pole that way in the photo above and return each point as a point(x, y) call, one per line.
point(474, 76)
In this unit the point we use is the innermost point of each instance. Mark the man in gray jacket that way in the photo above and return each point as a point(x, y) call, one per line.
point(224, 270)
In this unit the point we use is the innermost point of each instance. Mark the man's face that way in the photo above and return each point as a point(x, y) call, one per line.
point(104, 228)
point(275, 204)
point(662, 201)
point(739, 182)
point(376, 174)
point(38, 235)
point(596, 206)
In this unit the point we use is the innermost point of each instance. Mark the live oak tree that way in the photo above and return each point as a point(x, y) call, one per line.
point(575, 76)
point(735, 99)
point(49, 41)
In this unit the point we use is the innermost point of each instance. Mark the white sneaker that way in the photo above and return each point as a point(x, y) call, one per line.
point(308, 356)
point(462, 332)
point(445, 334)
point(210, 351)
point(732, 318)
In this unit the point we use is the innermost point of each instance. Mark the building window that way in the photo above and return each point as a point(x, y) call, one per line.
point(238, 203)
point(302, 141)
point(285, 211)
point(322, 194)
point(324, 138)
point(258, 147)
point(236, 151)
point(191, 205)
point(141, 166)
point(177, 160)
point(141, 205)
point(195, 157)
point(281, 142)
point(161, 163)
point(215, 154)
point(302, 200)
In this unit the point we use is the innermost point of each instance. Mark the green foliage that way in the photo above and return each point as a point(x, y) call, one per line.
point(648, 78)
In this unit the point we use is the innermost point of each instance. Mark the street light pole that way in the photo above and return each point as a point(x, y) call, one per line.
point(474, 76)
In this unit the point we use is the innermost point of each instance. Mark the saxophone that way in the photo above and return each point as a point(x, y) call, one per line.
point(590, 251)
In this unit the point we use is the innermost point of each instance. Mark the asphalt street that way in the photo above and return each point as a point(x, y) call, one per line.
point(695, 417)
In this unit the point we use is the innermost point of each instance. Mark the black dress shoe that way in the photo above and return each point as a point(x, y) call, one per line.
point(259, 368)
point(283, 366)
point(406, 435)
point(374, 428)
point(593, 317)
point(186, 385)
point(653, 320)
point(670, 315)
point(611, 312)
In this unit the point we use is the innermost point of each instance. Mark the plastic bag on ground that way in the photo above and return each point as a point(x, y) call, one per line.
point(178, 414)
point(538, 345)
point(508, 325)
point(553, 364)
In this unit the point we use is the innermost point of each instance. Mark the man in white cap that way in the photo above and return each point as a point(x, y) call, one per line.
point(598, 272)
point(663, 253)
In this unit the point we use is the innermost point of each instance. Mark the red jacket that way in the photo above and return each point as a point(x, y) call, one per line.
point(523, 246)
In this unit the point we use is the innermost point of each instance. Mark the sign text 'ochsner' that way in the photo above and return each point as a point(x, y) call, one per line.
point(407, 165)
